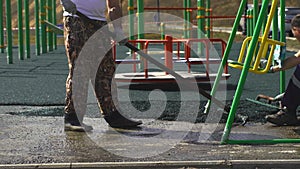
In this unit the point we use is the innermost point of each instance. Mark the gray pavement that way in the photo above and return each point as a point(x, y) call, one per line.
point(32, 136)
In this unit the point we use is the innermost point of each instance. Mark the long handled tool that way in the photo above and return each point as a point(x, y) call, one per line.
point(269, 100)
point(243, 119)
point(162, 67)
point(177, 76)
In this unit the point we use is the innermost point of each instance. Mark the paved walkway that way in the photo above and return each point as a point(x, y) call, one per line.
point(32, 98)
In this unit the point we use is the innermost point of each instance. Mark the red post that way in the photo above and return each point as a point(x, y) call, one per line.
point(145, 49)
point(169, 52)
point(187, 54)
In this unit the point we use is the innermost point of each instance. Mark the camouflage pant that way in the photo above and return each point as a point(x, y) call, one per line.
point(76, 35)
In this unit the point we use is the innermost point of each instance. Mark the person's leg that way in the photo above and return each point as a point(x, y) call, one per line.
point(291, 99)
point(289, 103)
point(106, 94)
point(75, 38)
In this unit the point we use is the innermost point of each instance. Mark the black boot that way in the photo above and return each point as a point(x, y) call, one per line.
point(72, 123)
point(283, 118)
point(116, 120)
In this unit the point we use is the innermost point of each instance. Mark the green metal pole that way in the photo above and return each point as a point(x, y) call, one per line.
point(131, 19)
point(49, 9)
point(37, 27)
point(282, 39)
point(185, 19)
point(273, 141)
point(275, 26)
point(247, 24)
point(255, 11)
point(9, 32)
point(188, 12)
point(200, 17)
point(208, 13)
point(43, 26)
point(1, 28)
point(227, 51)
point(162, 31)
point(249, 31)
point(254, 15)
point(264, 25)
point(54, 22)
point(201, 23)
point(140, 14)
point(141, 28)
point(244, 73)
point(27, 28)
point(131, 25)
point(251, 21)
point(20, 30)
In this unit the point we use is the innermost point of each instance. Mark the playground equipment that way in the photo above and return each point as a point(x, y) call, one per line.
point(247, 62)
point(180, 45)
point(45, 39)
point(203, 17)
point(177, 76)
point(185, 82)
point(169, 42)
point(254, 49)
point(256, 66)
point(269, 100)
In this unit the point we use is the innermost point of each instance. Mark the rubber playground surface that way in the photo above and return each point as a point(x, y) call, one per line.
point(32, 98)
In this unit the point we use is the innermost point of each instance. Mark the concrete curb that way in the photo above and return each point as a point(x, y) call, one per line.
point(238, 164)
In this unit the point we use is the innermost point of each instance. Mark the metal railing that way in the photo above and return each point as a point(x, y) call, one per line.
point(45, 39)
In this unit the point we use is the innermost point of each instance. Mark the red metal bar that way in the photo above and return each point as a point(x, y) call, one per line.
point(223, 45)
point(207, 46)
point(169, 52)
point(168, 43)
point(134, 57)
point(188, 55)
point(145, 61)
point(114, 51)
point(167, 8)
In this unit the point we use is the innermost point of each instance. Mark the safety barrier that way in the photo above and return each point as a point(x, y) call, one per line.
point(203, 17)
point(45, 39)
point(169, 58)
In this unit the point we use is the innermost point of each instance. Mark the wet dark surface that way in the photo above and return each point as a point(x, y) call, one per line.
point(32, 99)
point(42, 140)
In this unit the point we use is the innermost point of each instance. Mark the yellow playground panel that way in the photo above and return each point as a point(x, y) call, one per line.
point(265, 46)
